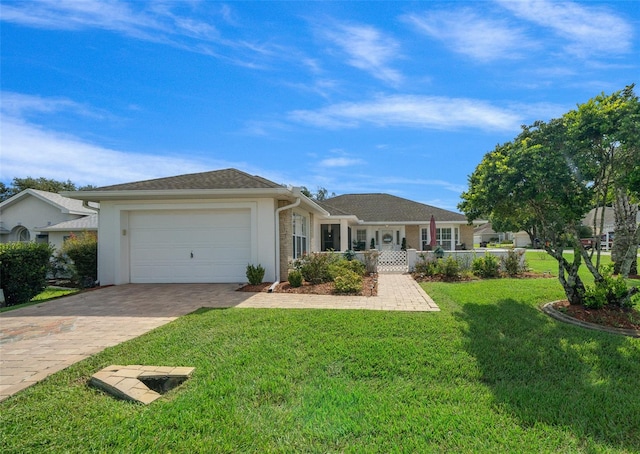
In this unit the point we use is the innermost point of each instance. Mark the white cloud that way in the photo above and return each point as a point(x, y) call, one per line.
point(586, 29)
point(468, 33)
point(340, 162)
point(29, 149)
point(149, 21)
point(413, 112)
point(21, 105)
point(367, 49)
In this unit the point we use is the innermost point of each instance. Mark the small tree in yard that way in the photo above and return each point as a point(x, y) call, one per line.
point(548, 178)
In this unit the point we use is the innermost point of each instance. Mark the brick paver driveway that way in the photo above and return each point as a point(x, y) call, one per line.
point(42, 339)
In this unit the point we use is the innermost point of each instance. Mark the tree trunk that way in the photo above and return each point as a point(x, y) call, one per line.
point(568, 275)
point(625, 244)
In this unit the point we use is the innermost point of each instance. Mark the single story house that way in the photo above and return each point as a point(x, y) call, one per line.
point(46, 217)
point(206, 227)
point(385, 220)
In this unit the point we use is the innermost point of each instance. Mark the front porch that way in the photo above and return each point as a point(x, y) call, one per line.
point(342, 235)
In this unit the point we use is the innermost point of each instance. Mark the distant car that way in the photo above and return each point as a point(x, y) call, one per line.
point(587, 242)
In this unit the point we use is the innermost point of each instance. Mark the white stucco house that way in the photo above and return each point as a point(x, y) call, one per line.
point(206, 227)
point(34, 215)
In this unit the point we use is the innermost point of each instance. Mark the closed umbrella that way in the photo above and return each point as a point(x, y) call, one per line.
point(432, 232)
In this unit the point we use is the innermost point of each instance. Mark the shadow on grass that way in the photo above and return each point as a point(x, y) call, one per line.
point(543, 371)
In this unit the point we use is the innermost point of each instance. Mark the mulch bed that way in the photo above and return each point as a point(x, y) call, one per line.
point(614, 317)
point(369, 288)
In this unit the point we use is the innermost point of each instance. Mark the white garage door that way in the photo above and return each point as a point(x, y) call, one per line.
point(189, 246)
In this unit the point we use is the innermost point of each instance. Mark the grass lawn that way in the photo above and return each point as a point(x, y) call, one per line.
point(489, 373)
point(47, 294)
point(541, 262)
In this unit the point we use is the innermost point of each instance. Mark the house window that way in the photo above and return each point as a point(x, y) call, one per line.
point(299, 235)
point(23, 235)
point(443, 238)
point(42, 238)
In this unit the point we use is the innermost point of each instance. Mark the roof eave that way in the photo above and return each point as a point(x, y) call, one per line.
point(177, 194)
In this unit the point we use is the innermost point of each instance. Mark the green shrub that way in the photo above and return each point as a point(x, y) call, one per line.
point(511, 263)
point(23, 270)
point(315, 267)
point(83, 251)
point(295, 278)
point(449, 268)
point(610, 291)
point(486, 267)
point(255, 274)
point(428, 266)
point(348, 282)
point(595, 297)
point(340, 266)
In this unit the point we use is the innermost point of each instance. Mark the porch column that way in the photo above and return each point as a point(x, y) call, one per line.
point(344, 235)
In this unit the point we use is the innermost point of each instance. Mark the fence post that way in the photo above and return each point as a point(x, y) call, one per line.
point(412, 256)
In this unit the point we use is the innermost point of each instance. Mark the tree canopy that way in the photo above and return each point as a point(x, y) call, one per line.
point(320, 194)
point(43, 184)
point(553, 173)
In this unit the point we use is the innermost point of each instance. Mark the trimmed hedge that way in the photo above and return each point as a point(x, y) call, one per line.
point(23, 270)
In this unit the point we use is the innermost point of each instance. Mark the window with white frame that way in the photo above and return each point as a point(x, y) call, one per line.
point(443, 237)
point(299, 235)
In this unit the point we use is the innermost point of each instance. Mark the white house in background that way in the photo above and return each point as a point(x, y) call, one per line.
point(206, 227)
point(34, 215)
point(485, 234)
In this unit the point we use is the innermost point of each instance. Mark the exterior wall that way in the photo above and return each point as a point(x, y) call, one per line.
point(412, 233)
point(521, 239)
point(286, 239)
point(33, 214)
point(466, 235)
point(113, 231)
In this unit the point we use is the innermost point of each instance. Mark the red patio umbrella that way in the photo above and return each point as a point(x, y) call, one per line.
point(432, 232)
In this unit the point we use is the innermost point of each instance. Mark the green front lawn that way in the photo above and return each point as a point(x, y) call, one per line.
point(489, 373)
point(50, 293)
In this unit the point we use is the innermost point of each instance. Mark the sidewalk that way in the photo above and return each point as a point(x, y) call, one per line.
point(40, 340)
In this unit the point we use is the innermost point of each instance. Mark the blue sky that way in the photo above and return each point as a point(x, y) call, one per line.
point(396, 97)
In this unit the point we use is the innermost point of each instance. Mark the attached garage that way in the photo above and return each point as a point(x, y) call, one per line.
point(189, 246)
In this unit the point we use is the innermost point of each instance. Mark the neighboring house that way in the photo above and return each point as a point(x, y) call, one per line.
point(608, 227)
point(357, 219)
point(58, 233)
point(34, 215)
point(206, 227)
point(485, 234)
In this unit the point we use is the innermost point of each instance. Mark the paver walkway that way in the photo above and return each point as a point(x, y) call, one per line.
point(40, 340)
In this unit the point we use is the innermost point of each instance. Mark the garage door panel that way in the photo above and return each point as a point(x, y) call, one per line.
point(162, 244)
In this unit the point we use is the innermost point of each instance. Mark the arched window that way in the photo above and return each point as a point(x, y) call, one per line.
point(23, 235)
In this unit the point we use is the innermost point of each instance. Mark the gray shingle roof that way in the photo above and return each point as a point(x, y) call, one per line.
point(217, 179)
point(65, 204)
point(83, 223)
point(387, 208)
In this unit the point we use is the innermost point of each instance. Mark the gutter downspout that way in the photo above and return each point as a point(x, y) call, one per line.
point(277, 229)
point(85, 204)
